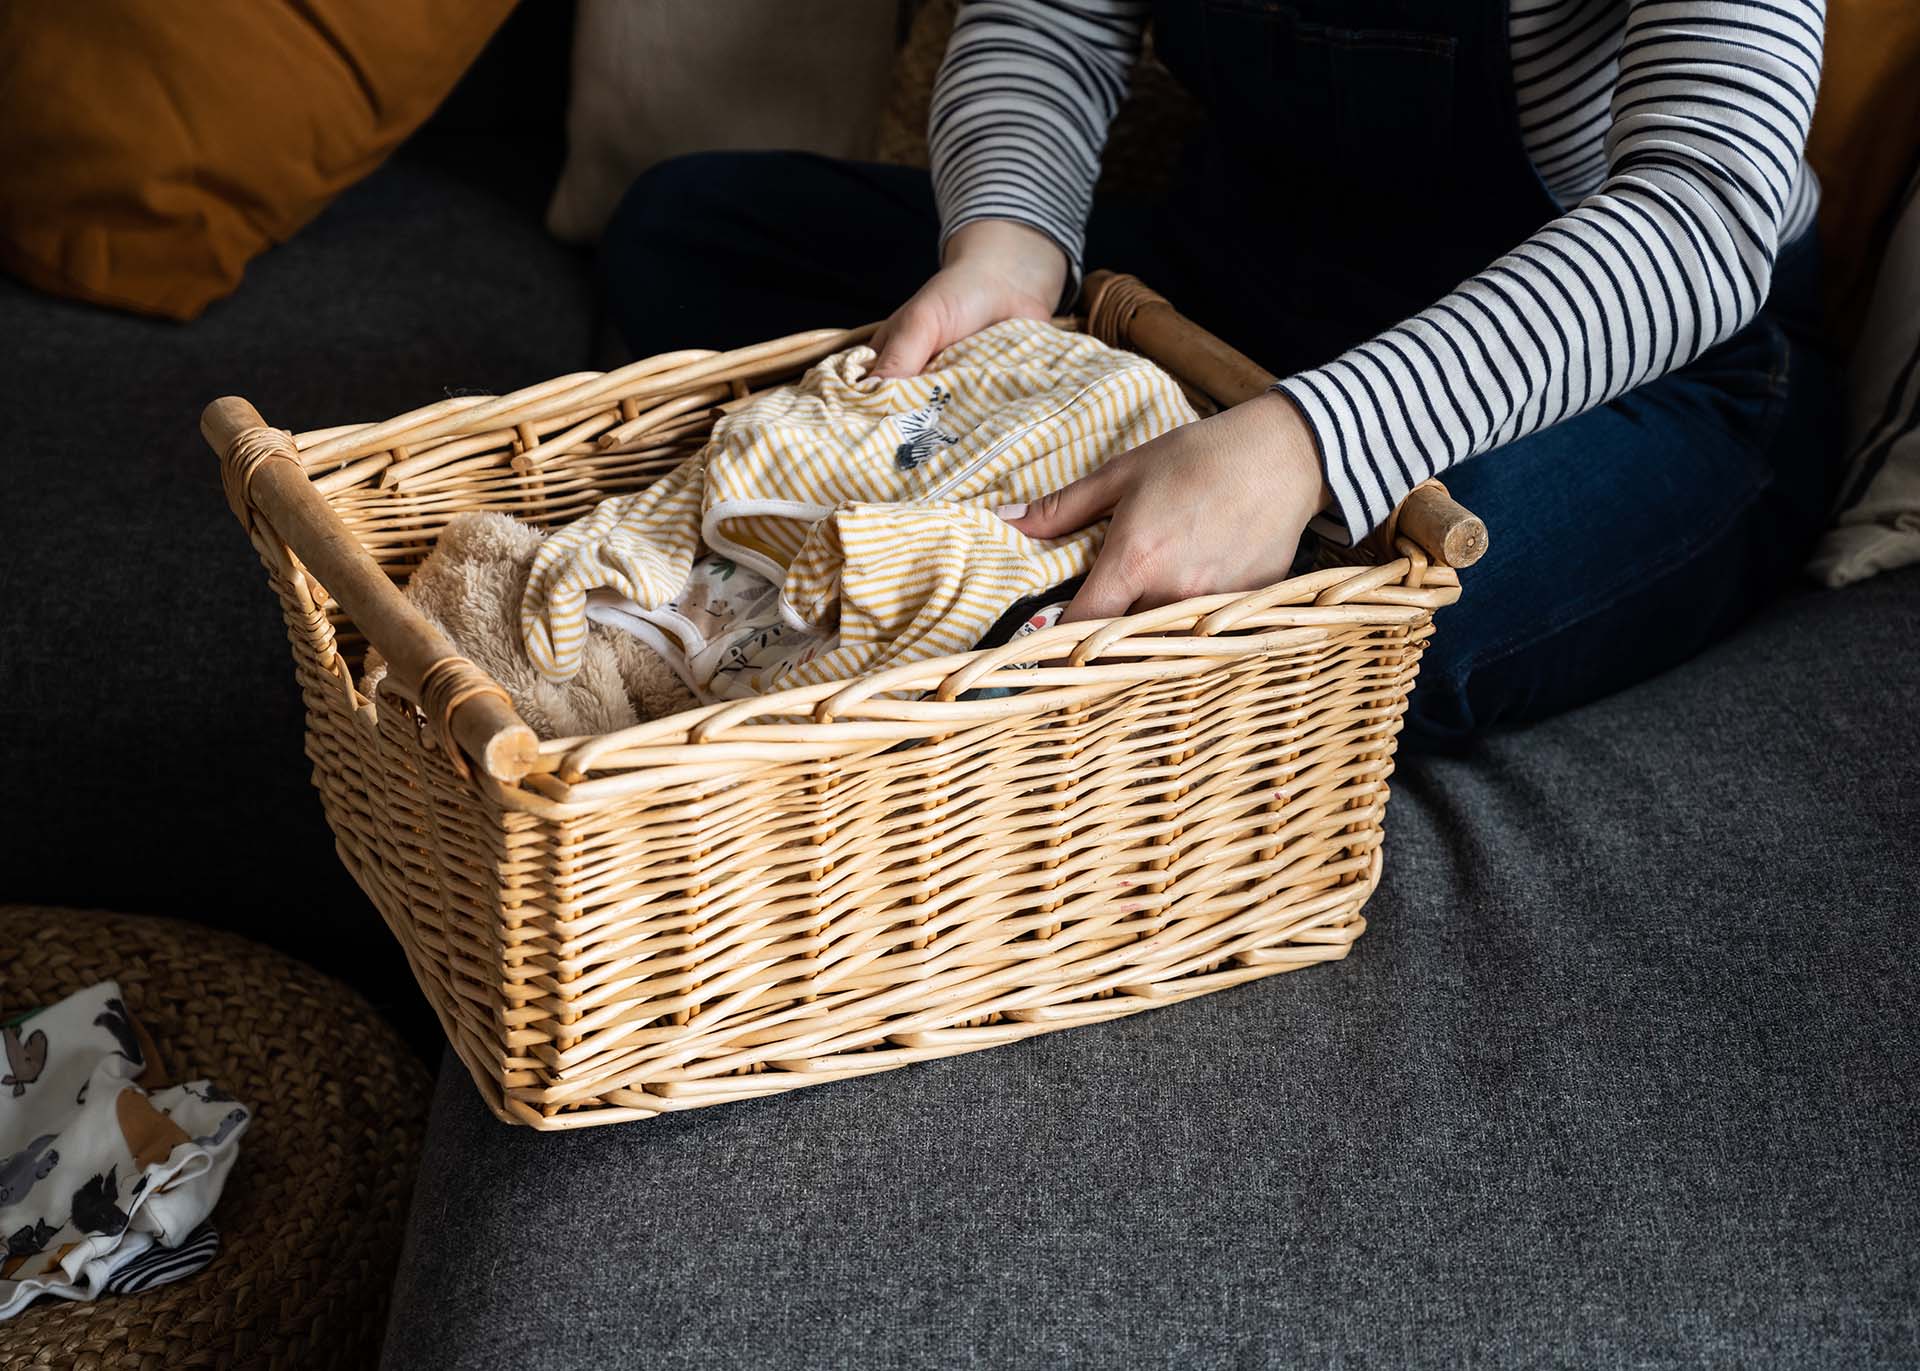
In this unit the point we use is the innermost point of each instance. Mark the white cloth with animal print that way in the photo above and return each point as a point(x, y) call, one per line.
point(845, 524)
point(95, 1171)
point(723, 630)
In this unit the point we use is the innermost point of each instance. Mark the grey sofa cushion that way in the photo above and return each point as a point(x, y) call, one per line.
point(152, 730)
point(1622, 1075)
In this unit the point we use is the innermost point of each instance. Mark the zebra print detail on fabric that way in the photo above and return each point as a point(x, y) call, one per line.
point(920, 433)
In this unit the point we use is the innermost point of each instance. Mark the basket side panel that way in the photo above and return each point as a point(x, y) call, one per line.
point(447, 871)
point(808, 922)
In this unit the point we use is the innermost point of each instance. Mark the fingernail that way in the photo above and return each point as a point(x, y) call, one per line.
point(1011, 512)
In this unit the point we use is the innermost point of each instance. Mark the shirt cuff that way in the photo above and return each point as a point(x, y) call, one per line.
point(1362, 497)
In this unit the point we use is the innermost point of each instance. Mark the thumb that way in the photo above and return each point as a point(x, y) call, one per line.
point(905, 344)
point(1072, 507)
point(1109, 591)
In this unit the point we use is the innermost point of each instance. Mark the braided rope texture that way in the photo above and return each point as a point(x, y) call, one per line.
point(448, 684)
point(246, 455)
point(312, 1216)
point(838, 879)
point(1114, 306)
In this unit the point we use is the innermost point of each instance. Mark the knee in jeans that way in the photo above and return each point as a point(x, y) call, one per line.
point(671, 193)
point(658, 239)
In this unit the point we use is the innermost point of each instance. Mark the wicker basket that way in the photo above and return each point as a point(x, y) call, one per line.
point(753, 896)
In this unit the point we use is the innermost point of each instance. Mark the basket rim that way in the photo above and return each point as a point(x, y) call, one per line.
point(1283, 613)
point(577, 777)
point(1396, 582)
point(560, 399)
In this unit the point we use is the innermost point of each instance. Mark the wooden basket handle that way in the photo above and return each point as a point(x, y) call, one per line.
point(263, 472)
point(1123, 311)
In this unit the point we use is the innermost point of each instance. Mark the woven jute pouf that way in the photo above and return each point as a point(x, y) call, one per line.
point(310, 1223)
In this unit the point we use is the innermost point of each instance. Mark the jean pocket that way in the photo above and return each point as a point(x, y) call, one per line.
point(1391, 112)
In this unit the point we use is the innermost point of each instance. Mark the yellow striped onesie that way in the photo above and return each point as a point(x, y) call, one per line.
point(868, 503)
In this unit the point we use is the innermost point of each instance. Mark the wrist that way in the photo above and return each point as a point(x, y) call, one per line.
point(1291, 438)
point(1021, 257)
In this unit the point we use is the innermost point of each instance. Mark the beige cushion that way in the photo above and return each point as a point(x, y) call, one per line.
point(656, 78)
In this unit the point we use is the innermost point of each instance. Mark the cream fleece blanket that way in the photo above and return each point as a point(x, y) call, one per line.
point(470, 587)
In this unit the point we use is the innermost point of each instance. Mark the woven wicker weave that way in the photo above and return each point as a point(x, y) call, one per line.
point(840, 879)
point(312, 1216)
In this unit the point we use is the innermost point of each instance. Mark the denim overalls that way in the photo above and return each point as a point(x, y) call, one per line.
point(1362, 158)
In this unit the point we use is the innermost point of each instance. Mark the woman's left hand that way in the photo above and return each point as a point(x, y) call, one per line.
point(1216, 506)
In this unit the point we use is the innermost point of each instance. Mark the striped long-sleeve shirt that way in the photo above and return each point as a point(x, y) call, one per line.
point(1670, 131)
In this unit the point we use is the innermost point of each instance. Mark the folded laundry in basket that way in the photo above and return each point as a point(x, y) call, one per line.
point(103, 1185)
point(866, 504)
point(727, 627)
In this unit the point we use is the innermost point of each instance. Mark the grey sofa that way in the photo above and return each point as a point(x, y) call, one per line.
point(1623, 1074)
point(150, 722)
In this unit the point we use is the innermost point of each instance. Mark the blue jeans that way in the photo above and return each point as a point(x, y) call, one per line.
point(1623, 541)
point(1627, 539)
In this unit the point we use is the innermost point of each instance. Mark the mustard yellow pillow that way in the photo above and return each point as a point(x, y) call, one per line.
point(149, 150)
point(1865, 140)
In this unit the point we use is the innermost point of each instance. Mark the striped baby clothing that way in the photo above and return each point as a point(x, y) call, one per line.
point(856, 513)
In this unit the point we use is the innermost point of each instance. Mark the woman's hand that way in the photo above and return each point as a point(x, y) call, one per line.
point(993, 269)
point(1216, 506)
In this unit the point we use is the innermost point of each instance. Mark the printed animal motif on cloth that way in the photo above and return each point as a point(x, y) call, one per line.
point(920, 433)
point(26, 1058)
point(28, 1241)
point(19, 1172)
point(864, 505)
point(150, 1135)
point(96, 1173)
point(115, 1019)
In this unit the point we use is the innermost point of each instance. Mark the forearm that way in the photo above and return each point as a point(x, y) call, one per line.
point(1671, 254)
point(1021, 109)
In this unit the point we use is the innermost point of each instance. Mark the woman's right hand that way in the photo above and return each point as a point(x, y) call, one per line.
point(993, 269)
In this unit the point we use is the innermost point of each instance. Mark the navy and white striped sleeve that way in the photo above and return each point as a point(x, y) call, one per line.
point(1671, 253)
point(1021, 108)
